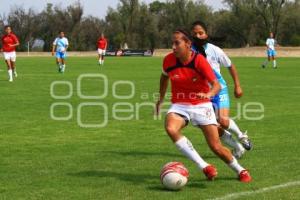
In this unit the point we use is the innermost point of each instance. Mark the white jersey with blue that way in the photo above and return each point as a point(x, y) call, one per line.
point(216, 57)
point(61, 44)
point(271, 42)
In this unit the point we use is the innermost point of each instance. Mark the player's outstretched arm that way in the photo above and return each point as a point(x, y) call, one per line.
point(238, 92)
point(162, 91)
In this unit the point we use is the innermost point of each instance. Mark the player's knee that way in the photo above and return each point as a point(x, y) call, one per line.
point(224, 122)
point(171, 129)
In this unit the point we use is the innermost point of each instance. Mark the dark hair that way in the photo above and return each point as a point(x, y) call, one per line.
point(187, 36)
point(200, 23)
point(7, 26)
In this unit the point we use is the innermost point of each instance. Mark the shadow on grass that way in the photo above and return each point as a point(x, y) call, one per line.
point(144, 153)
point(133, 178)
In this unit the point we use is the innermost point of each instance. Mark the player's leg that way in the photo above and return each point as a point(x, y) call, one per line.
point(173, 125)
point(265, 63)
point(99, 56)
point(57, 60)
point(13, 63)
point(102, 56)
point(221, 106)
point(63, 62)
point(274, 59)
point(229, 124)
point(9, 70)
point(212, 138)
point(7, 58)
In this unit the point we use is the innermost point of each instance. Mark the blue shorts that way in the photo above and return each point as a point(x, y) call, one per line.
point(61, 55)
point(271, 52)
point(221, 100)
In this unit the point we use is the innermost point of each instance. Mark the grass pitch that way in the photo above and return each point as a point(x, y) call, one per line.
point(44, 158)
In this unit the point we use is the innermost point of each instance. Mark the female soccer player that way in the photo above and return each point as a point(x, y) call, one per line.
point(102, 45)
point(60, 45)
point(217, 58)
point(190, 76)
point(9, 43)
point(271, 52)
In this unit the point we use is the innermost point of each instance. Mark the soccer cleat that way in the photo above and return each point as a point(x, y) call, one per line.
point(238, 153)
point(10, 80)
point(245, 177)
point(245, 141)
point(210, 172)
point(263, 66)
point(15, 74)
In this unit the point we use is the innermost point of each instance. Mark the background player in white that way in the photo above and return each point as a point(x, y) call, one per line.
point(271, 52)
point(217, 58)
point(60, 45)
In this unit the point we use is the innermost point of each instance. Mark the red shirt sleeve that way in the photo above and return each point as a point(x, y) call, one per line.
point(16, 40)
point(204, 67)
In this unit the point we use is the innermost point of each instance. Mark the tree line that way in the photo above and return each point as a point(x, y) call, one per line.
point(149, 26)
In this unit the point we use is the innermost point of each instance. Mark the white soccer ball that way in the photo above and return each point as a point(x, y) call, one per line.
point(174, 175)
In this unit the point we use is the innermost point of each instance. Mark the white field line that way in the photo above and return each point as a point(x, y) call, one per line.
point(262, 190)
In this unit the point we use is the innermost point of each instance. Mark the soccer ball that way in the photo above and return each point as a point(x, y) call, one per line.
point(174, 175)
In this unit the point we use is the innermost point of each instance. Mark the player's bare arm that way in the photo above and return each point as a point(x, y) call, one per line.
point(162, 91)
point(238, 92)
point(53, 49)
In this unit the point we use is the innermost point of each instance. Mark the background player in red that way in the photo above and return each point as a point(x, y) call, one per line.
point(9, 42)
point(102, 45)
point(190, 76)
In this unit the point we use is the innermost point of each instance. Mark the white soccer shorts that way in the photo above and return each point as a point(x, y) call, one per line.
point(10, 56)
point(101, 51)
point(201, 114)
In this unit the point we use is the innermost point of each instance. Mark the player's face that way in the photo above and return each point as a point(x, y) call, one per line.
point(180, 46)
point(8, 30)
point(61, 34)
point(199, 32)
point(271, 35)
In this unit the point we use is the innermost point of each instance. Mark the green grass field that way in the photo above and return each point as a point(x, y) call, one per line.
point(42, 158)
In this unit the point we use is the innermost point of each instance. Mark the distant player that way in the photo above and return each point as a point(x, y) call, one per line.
point(60, 46)
point(217, 58)
point(271, 52)
point(102, 46)
point(9, 42)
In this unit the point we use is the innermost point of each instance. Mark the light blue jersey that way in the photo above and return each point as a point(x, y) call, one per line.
point(217, 58)
point(61, 47)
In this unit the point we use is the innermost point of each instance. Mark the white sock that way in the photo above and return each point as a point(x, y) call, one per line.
point(230, 141)
point(274, 63)
point(99, 61)
point(233, 128)
point(103, 62)
point(10, 74)
point(236, 166)
point(186, 147)
point(63, 67)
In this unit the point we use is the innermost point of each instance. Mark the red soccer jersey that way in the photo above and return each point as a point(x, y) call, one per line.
point(7, 40)
point(102, 43)
point(188, 79)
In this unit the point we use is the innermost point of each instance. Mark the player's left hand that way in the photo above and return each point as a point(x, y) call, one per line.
point(203, 95)
point(238, 92)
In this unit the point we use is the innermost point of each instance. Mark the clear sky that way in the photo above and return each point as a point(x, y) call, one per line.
point(91, 7)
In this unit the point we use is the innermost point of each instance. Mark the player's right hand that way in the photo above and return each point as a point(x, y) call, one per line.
point(157, 107)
